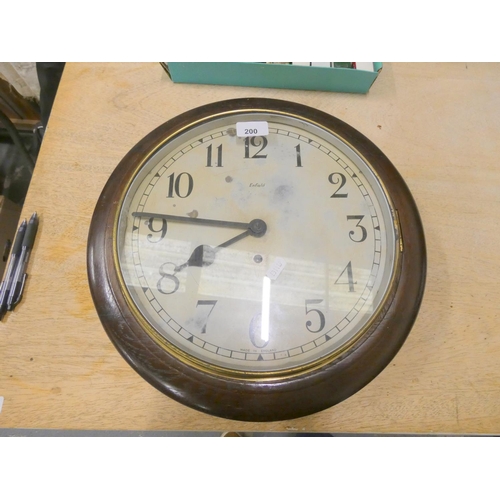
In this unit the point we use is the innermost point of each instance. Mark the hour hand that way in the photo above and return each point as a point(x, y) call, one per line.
point(204, 255)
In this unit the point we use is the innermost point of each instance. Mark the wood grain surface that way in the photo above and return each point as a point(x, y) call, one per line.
point(438, 123)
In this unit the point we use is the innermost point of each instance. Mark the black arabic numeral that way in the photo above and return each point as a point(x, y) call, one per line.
point(219, 156)
point(299, 158)
point(211, 304)
point(364, 232)
point(256, 141)
point(174, 185)
point(350, 281)
point(162, 230)
point(173, 286)
point(320, 314)
point(255, 332)
point(337, 178)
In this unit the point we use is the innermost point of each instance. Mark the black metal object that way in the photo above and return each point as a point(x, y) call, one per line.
point(49, 76)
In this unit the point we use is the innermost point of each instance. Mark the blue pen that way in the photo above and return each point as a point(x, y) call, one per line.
point(9, 275)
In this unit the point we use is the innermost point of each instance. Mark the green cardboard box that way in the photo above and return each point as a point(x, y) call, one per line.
point(285, 76)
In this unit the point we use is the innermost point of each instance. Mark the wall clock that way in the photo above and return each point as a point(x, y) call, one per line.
point(256, 259)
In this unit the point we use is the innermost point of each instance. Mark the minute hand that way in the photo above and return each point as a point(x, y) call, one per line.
point(193, 220)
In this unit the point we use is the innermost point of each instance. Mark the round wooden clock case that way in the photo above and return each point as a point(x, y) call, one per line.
point(256, 259)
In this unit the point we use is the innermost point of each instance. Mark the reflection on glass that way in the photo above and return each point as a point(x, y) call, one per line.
point(266, 297)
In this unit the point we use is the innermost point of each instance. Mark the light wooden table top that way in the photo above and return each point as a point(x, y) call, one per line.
point(438, 123)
